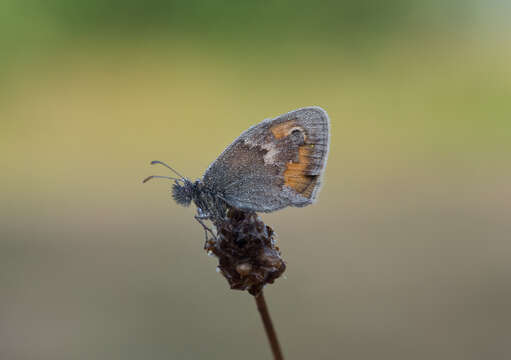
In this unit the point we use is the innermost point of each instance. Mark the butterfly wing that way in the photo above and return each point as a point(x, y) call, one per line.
point(274, 164)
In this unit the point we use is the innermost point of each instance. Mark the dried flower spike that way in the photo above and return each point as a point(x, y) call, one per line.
point(247, 255)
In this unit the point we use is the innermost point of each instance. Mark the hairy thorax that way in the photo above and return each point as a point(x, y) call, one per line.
point(211, 204)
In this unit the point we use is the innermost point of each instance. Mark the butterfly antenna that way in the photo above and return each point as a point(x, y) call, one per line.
point(167, 166)
point(161, 177)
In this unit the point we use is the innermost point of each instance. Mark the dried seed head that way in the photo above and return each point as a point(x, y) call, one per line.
point(246, 251)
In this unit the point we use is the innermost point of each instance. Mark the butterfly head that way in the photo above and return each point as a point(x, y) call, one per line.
point(183, 191)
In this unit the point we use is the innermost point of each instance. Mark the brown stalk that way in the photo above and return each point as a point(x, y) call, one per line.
point(268, 326)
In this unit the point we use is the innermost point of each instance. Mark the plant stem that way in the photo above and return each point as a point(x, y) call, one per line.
point(268, 326)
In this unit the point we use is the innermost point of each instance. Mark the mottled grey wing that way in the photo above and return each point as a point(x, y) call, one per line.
point(274, 164)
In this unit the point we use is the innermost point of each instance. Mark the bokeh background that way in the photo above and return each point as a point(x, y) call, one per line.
point(407, 254)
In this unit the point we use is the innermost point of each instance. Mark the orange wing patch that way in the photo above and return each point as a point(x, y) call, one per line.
point(295, 176)
point(283, 129)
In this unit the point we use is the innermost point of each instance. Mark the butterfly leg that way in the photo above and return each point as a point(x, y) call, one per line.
point(200, 217)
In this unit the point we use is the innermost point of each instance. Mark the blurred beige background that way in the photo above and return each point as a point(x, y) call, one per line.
point(407, 254)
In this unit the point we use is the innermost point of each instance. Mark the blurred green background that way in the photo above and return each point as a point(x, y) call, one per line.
point(407, 254)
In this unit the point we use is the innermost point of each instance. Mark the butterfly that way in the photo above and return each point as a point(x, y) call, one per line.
point(272, 165)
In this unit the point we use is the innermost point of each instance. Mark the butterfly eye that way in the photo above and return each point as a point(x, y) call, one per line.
point(297, 137)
